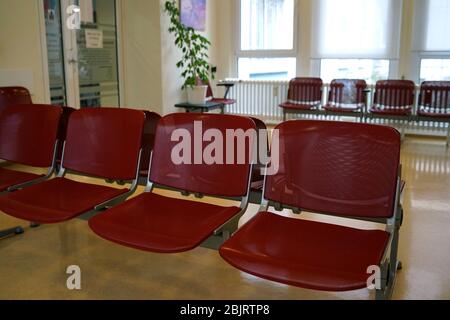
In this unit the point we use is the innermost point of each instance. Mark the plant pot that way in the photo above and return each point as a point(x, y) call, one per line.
point(197, 94)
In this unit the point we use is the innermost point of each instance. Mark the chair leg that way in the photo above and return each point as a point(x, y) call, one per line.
point(361, 118)
point(389, 270)
point(11, 232)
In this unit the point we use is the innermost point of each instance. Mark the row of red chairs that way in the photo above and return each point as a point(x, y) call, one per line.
point(334, 168)
point(392, 98)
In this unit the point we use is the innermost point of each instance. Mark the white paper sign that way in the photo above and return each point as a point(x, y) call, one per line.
point(94, 39)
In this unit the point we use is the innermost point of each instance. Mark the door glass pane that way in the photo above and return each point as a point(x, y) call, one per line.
point(97, 54)
point(52, 13)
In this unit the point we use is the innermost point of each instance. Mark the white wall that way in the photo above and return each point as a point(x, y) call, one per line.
point(141, 54)
point(20, 47)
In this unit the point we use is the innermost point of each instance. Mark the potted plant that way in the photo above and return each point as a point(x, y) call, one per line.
point(194, 64)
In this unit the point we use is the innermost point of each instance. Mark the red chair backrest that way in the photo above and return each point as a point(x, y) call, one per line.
point(395, 94)
point(229, 180)
point(345, 169)
point(14, 96)
point(148, 137)
point(104, 142)
point(435, 95)
point(305, 91)
point(28, 134)
point(347, 92)
point(62, 130)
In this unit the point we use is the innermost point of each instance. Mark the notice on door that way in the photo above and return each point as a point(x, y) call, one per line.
point(94, 39)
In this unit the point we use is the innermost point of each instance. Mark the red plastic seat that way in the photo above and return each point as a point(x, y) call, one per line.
point(304, 94)
point(10, 96)
point(304, 253)
point(28, 137)
point(335, 168)
point(394, 98)
point(347, 96)
point(103, 143)
point(161, 224)
point(434, 100)
point(9, 178)
point(56, 200)
point(155, 223)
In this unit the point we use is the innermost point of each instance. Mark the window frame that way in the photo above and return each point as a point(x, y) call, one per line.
point(418, 56)
point(289, 53)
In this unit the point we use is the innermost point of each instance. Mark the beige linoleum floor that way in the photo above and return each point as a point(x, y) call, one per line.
point(33, 265)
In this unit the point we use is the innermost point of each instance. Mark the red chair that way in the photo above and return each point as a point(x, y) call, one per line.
point(393, 99)
point(434, 102)
point(13, 96)
point(335, 168)
point(347, 97)
point(225, 101)
point(160, 224)
point(102, 143)
point(304, 96)
point(28, 136)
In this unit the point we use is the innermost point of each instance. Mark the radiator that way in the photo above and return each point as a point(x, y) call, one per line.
point(261, 99)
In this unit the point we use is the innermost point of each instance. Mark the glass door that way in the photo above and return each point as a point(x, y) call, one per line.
point(88, 52)
point(55, 53)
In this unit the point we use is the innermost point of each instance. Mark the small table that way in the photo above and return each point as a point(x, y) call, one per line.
point(205, 107)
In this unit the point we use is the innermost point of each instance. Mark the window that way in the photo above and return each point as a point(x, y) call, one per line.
point(267, 39)
point(367, 69)
point(431, 46)
point(356, 38)
point(435, 70)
